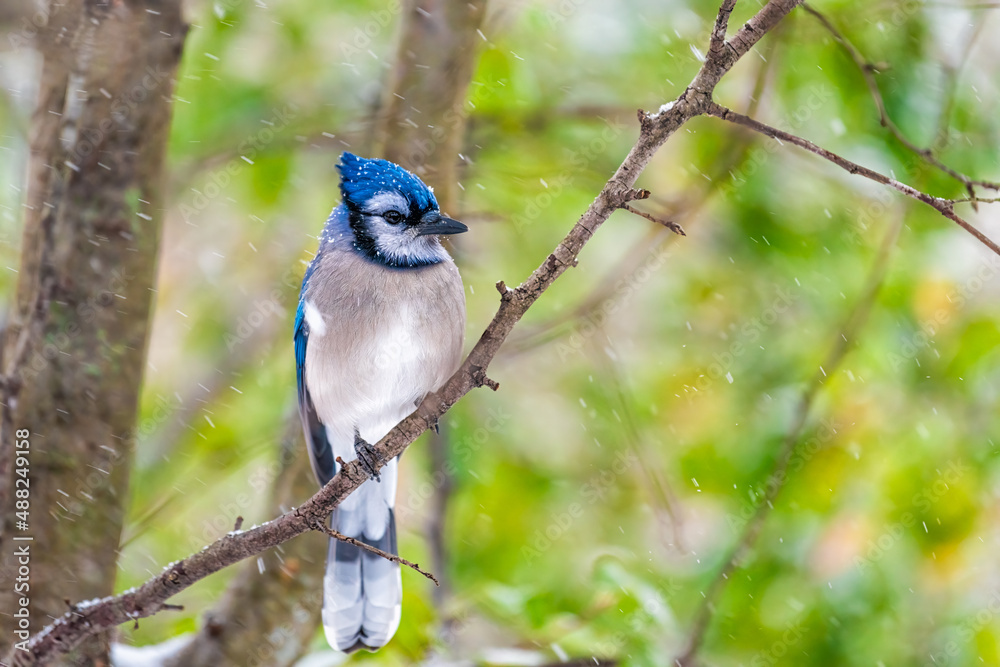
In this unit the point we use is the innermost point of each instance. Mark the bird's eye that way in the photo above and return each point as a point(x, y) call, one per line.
point(393, 217)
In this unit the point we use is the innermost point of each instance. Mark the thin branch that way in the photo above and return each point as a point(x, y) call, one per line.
point(717, 41)
point(943, 206)
point(323, 528)
point(779, 473)
point(669, 224)
point(868, 70)
point(718, 63)
point(976, 200)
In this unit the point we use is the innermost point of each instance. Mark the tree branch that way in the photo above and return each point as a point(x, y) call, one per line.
point(718, 40)
point(945, 207)
point(669, 224)
point(323, 528)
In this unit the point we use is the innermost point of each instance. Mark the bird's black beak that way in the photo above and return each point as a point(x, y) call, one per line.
point(441, 226)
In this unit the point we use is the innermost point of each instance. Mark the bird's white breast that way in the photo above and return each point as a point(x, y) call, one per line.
point(389, 337)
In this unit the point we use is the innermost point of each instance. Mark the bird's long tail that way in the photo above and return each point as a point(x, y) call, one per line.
point(363, 592)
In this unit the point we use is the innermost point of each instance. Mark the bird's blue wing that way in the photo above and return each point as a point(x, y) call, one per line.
point(320, 452)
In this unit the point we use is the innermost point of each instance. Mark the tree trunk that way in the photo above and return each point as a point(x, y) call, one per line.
point(422, 120)
point(19, 23)
point(74, 349)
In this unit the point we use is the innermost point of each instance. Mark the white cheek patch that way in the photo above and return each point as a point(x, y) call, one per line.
point(383, 201)
point(317, 325)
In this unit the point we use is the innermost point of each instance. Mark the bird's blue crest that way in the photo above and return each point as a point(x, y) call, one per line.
point(362, 178)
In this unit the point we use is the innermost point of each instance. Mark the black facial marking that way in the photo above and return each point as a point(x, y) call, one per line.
point(364, 242)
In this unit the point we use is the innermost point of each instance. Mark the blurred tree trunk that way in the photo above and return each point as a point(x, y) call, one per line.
point(422, 120)
point(269, 617)
point(74, 348)
point(422, 127)
point(19, 23)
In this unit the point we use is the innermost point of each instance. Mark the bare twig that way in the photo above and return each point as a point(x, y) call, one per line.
point(779, 473)
point(971, 200)
point(868, 70)
point(669, 224)
point(943, 206)
point(717, 41)
point(323, 528)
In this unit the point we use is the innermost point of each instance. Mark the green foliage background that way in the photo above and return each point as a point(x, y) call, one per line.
point(602, 487)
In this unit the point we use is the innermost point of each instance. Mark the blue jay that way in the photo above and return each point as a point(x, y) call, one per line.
point(380, 324)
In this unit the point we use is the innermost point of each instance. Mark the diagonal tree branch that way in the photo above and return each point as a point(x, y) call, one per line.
point(945, 207)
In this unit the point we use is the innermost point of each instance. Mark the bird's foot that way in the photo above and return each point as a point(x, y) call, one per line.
point(368, 456)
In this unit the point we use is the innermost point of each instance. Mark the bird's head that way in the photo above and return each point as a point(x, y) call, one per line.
point(394, 215)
